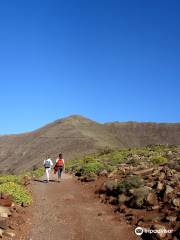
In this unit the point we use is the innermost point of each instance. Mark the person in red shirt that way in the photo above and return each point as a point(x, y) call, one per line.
point(60, 166)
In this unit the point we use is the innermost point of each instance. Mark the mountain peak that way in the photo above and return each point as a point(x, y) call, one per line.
point(75, 117)
point(76, 135)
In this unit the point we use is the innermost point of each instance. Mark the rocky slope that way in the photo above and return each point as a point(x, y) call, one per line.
point(77, 135)
point(141, 183)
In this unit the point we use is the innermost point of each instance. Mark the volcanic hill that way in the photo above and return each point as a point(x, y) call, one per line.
point(77, 135)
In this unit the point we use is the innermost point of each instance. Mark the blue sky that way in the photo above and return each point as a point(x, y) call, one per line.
point(107, 60)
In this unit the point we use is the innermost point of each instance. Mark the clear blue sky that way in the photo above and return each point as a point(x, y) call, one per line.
point(108, 60)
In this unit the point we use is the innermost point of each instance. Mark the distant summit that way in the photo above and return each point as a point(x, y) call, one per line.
point(76, 135)
point(74, 118)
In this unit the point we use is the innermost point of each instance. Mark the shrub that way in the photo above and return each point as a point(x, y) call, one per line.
point(118, 157)
point(10, 178)
point(79, 171)
point(133, 162)
point(89, 159)
point(129, 183)
point(159, 160)
point(18, 192)
point(109, 168)
point(110, 188)
point(105, 151)
point(35, 173)
point(39, 172)
point(92, 167)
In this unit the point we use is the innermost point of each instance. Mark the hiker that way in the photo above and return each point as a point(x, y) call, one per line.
point(48, 165)
point(60, 166)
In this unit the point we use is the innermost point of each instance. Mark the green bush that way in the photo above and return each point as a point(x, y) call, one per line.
point(18, 192)
point(89, 159)
point(10, 178)
point(129, 183)
point(105, 151)
point(36, 172)
point(159, 160)
point(92, 167)
point(119, 157)
point(39, 172)
point(109, 168)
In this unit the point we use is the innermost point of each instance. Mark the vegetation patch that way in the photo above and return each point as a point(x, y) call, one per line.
point(111, 159)
point(129, 183)
point(14, 185)
point(91, 168)
point(37, 173)
point(10, 178)
point(18, 192)
point(159, 160)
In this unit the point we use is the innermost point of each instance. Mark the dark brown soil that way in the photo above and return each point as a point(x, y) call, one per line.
point(69, 211)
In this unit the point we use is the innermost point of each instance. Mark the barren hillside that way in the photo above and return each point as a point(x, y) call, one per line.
point(77, 135)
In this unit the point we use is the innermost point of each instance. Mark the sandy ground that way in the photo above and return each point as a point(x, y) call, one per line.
point(68, 211)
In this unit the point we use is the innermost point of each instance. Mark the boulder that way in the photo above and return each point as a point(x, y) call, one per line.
point(123, 209)
point(155, 173)
point(1, 232)
point(5, 212)
point(9, 234)
point(155, 217)
point(3, 223)
point(109, 187)
point(168, 190)
point(103, 173)
point(155, 207)
point(150, 184)
point(26, 180)
point(113, 200)
point(170, 154)
point(139, 196)
point(90, 178)
point(5, 196)
point(144, 172)
point(162, 176)
point(151, 199)
point(6, 202)
point(171, 218)
point(130, 217)
point(176, 176)
point(174, 165)
point(176, 202)
point(169, 173)
point(159, 186)
point(122, 198)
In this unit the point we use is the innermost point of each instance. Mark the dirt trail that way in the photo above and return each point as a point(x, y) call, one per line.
point(67, 211)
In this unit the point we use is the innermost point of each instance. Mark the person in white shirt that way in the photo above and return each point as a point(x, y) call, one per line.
point(48, 164)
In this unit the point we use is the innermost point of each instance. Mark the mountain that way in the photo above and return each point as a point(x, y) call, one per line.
point(76, 135)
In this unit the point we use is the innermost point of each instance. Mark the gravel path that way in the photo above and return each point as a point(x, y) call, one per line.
point(68, 211)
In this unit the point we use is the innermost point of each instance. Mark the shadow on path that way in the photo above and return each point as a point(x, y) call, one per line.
point(43, 181)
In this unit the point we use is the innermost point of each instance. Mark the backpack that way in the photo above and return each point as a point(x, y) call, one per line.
point(60, 163)
point(47, 164)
